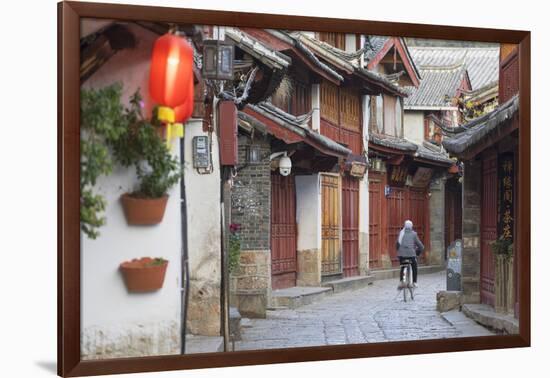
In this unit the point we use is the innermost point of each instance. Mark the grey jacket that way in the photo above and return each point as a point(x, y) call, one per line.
point(409, 244)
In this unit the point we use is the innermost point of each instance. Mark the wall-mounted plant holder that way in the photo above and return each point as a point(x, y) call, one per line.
point(143, 211)
point(144, 275)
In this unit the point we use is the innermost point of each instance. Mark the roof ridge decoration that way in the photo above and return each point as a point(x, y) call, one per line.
point(258, 49)
point(297, 125)
point(319, 48)
point(380, 47)
point(475, 130)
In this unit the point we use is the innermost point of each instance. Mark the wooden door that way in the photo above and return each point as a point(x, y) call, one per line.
point(283, 231)
point(398, 213)
point(419, 214)
point(488, 227)
point(453, 212)
point(331, 261)
point(350, 225)
point(376, 228)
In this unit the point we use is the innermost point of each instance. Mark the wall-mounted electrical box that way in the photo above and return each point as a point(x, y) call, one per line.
point(201, 152)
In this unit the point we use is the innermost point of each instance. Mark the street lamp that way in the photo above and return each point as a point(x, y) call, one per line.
point(217, 60)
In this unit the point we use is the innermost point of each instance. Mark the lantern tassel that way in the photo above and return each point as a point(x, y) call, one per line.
point(173, 129)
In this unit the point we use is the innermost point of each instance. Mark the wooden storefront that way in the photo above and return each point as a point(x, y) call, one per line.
point(350, 225)
point(389, 207)
point(283, 231)
point(331, 246)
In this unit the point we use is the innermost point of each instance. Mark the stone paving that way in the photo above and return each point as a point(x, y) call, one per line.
point(376, 313)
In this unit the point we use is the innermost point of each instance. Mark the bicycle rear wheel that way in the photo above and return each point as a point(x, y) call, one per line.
point(405, 279)
point(410, 283)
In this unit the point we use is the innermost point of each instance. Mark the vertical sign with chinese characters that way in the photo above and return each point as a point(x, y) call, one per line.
point(506, 196)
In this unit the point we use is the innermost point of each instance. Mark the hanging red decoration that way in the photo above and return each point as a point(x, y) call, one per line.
point(185, 110)
point(171, 74)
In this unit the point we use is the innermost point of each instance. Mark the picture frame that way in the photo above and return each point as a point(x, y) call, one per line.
point(69, 268)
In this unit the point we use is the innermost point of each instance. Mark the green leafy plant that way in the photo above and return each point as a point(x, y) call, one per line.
point(143, 147)
point(234, 246)
point(503, 247)
point(157, 261)
point(103, 121)
point(113, 134)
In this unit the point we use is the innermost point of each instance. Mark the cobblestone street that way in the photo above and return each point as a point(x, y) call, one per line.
point(376, 313)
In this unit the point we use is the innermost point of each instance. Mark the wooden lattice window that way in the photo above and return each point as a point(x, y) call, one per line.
point(350, 109)
point(329, 102)
point(337, 40)
point(301, 98)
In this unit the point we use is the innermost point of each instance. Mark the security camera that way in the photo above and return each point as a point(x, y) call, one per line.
point(285, 165)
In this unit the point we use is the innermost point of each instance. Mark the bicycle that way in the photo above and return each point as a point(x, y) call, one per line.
point(406, 283)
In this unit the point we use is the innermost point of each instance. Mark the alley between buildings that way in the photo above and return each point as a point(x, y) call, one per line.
point(376, 313)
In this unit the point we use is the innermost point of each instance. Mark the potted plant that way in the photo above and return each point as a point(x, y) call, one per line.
point(145, 274)
point(157, 170)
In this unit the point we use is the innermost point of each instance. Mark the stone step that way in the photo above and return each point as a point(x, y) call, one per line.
point(203, 344)
point(349, 283)
point(234, 324)
point(488, 317)
point(386, 274)
point(297, 296)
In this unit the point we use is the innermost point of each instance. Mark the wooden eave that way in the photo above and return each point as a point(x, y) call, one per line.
point(288, 136)
point(490, 140)
point(407, 63)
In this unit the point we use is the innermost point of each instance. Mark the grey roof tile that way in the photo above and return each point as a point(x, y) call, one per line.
point(437, 83)
point(482, 63)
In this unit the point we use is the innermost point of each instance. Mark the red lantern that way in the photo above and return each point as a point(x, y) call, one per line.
point(171, 73)
point(184, 111)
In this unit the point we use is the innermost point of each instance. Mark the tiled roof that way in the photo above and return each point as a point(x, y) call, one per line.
point(437, 83)
point(393, 142)
point(374, 45)
point(257, 49)
point(477, 129)
point(347, 62)
point(425, 150)
point(481, 62)
point(297, 125)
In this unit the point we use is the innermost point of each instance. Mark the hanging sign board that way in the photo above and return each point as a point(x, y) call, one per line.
point(422, 177)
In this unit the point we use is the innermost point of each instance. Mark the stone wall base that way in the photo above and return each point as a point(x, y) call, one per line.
point(131, 340)
point(203, 314)
point(309, 268)
point(449, 300)
point(250, 284)
point(363, 253)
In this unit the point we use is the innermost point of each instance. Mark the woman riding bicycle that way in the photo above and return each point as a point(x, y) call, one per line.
point(408, 247)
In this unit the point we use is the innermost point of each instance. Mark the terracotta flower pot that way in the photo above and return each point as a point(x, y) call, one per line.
point(143, 211)
point(144, 274)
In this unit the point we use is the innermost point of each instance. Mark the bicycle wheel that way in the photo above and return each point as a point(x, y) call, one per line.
point(410, 283)
point(404, 279)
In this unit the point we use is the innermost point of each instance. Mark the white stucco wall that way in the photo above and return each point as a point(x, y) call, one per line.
point(364, 195)
point(308, 212)
point(414, 126)
point(116, 323)
point(203, 209)
point(351, 44)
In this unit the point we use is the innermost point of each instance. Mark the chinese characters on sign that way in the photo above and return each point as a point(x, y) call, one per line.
point(398, 175)
point(506, 196)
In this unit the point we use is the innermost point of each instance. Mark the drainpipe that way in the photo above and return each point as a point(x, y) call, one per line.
point(184, 253)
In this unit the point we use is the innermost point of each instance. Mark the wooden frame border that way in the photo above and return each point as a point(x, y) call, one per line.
point(69, 363)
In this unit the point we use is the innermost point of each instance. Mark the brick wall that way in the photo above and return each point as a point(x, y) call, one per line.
point(251, 208)
point(471, 218)
point(437, 223)
point(251, 197)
